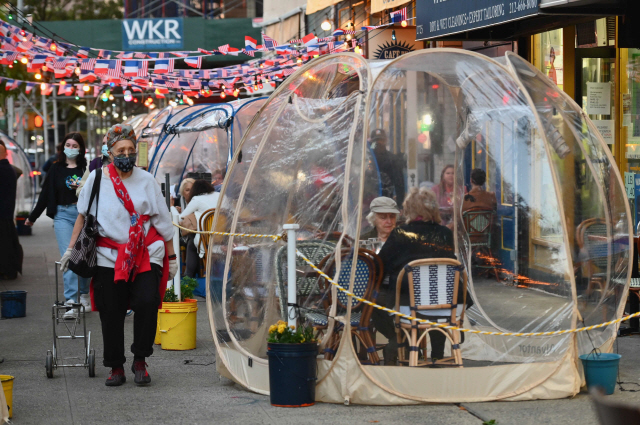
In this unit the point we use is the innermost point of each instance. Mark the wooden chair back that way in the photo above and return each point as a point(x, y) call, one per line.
point(434, 284)
point(205, 224)
point(478, 222)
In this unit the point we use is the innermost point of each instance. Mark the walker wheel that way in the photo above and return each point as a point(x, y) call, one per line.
point(92, 363)
point(49, 364)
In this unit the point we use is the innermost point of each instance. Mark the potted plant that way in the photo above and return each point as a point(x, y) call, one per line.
point(177, 317)
point(292, 365)
point(21, 217)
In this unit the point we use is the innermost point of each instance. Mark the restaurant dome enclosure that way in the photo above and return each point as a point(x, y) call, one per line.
point(559, 258)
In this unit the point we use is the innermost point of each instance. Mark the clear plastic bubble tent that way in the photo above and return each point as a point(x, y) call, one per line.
point(26, 189)
point(561, 245)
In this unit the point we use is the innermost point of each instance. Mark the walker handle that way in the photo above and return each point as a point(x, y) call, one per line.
point(58, 264)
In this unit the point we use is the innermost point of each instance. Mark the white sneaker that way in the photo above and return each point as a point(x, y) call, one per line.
point(69, 302)
point(85, 300)
point(71, 314)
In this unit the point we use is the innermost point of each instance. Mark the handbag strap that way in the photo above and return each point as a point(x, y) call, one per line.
point(95, 190)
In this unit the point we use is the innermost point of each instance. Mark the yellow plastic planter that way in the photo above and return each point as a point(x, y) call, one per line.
point(177, 325)
point(7, 387)
point(158, 340)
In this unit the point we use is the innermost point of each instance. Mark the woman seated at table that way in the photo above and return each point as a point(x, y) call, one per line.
point(444, 194)
point(383, 217)
point(201, 198)
point(421, 237)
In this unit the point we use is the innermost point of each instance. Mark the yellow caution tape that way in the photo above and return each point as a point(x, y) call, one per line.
point(472, 331)
point(275, 238)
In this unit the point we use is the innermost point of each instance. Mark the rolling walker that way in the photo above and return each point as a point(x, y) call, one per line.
point(70, 330)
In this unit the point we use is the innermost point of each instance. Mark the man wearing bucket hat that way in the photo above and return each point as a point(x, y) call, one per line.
point(383, 216)
point(135, 253)
point(389, 167)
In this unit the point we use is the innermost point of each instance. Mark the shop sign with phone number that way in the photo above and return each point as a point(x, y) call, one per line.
point(436, 18)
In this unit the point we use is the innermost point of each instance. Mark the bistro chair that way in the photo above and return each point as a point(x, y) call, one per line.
point(591, 236)
point(367, 281)
point(434, 285)
point(479, 223)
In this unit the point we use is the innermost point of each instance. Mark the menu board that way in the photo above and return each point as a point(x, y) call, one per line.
point(599, 98)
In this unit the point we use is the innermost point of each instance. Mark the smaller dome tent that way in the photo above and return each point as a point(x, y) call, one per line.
point(26, 189)
point(200, 139)
point(560, 254)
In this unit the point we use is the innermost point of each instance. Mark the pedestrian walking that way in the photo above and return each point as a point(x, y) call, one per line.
point(58, 197)
point(10, 248)
point(135, 255)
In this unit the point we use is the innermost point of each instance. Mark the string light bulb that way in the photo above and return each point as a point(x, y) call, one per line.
point(299, 61)
point(348, 37)
point(63, 82)
point(44, 68)
point(358, 50)
point(38, 76)
point(24, 60)
point(393, 35)
point(326, 25)
point(53, 47)
point(86, 88)
point(222, 95)
point(77, 71)
point(236, 92)
point(43, 86)
point(404, 23)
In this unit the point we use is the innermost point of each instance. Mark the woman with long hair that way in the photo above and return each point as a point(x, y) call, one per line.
point(58, 197)
point(444, 192)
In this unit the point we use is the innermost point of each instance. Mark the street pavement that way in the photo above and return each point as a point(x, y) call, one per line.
point(186, 388)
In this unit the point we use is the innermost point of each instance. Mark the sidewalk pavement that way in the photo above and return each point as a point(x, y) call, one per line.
point(185, 387)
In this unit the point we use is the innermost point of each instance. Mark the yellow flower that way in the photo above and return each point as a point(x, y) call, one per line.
point(281, 328)
point(292, 327)
point(302, 339)
point(272, 328)
point(281, 322)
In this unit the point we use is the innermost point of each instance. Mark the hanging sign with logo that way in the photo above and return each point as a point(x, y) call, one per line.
point(152, 34)
point(436, 18)
point(383, 45)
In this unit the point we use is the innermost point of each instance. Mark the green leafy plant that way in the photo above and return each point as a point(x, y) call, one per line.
point(187, 285)
point(491, 422)
point(283, 334)
point(22, 214)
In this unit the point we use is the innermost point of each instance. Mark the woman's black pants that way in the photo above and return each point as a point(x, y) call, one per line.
point(113, 300)
point(193, 259)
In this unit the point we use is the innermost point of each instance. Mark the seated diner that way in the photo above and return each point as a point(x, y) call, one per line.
point(383, 216)
point(422, 236)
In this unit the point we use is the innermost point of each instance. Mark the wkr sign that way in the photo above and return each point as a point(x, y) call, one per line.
point(152, 34)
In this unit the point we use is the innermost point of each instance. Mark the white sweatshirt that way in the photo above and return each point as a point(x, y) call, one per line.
point(113, 219)
point(200, 203)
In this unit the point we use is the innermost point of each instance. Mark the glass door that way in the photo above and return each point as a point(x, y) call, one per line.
point(596, 88)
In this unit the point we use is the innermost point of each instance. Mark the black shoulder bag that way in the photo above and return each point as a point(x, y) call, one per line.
point(84, 256)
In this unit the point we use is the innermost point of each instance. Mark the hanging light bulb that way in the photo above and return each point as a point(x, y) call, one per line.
point(77, 71)
point(111, 97)
point(189, 101)
point(223, 87)
point(38, 76)
point(222, 95)
point(23, 32)
point(326, 25)
point(150, 84)
point(127, 96)
point(299, 61)
point(24, 60)
point(404, 23)
point(63, 82)
point(348, 37)
point(260, 85)
point(86, 88)
point(53, 47)
point(43, 86)
point(393, 35)
point(358, 50)
point(236, 92)
point(44, 68)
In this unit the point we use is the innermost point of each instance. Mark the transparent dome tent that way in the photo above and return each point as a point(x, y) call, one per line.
point(201, 139)
point(26, 189)
point(560, 258)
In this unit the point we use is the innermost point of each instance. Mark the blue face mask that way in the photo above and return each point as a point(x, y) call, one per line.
point(105, 150)
point(71, 153)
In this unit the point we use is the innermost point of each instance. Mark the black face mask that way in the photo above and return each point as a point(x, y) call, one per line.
point(125, 163)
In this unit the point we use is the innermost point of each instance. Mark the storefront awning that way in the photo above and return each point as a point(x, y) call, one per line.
point(504, 20)
point(380, 5)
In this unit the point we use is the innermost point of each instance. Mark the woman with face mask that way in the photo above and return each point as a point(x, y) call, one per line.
point(101, 161)
point(58, 197)
point(135, 253)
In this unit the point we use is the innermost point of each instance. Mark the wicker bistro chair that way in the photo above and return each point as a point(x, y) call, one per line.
point(479, 223)
point(434, 285)
point(591, 238)
point(306, 278)
point(366, 284)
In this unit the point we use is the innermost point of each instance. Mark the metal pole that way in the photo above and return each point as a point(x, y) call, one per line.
point(90, 138)
point(176, 247)
point(20, 137)
point(56, 136)
point(11, 118)
point(291, 273)
point(167, 192)
point(45, 127)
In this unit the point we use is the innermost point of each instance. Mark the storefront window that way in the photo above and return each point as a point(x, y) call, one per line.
point(549, 55)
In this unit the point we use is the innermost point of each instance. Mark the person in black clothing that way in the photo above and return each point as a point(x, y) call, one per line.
point(58, 197)
point(421, 237)
point(10, 248)
point(389, 166)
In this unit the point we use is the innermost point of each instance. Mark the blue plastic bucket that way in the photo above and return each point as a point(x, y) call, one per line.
point(601, 370)
point(292, 374)
point(13, 304)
